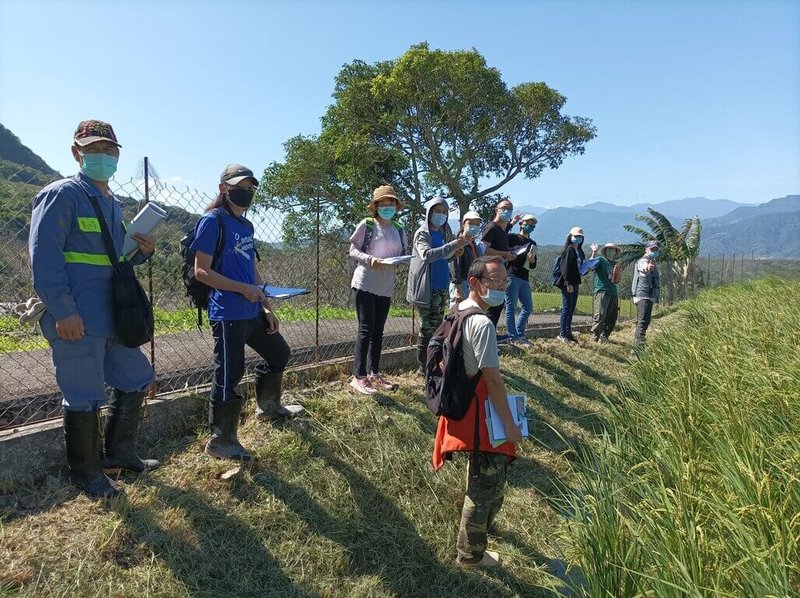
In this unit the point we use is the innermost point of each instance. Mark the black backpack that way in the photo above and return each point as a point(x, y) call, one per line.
point(555, 273)
point(448, 390)
point(197, 291)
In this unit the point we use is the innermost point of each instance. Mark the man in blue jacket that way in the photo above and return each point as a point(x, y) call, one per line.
point(72, 276)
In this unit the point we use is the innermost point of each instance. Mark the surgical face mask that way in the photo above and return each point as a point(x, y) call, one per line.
point(99, 167)
point(528, 228)
point(241, 197)
point(506, 214)
point(577, 239)
point(473, 230)
point(655, 254)
point(493, 297)
point(438, 219)
point(387, 212)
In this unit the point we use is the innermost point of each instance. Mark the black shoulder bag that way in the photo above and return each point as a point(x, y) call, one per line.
point(133, 313)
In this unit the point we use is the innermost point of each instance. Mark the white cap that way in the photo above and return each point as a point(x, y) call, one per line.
point(470, 216)
point(529, 217)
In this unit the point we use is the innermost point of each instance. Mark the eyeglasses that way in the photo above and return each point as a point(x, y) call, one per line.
point(505, 283)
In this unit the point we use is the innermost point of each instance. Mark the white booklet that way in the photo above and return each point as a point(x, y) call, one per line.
point(145, 222)
point(497, 432)
point(398, 259)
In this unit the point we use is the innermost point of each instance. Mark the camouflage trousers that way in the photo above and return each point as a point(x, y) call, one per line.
point(482, 502)
point(432, 316)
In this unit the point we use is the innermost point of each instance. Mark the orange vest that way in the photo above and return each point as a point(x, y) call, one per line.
point(459, 435)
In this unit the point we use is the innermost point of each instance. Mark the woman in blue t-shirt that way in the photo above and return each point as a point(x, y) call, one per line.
point(239, 313)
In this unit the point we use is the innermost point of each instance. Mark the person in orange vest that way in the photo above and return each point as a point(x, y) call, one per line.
point(486, 477)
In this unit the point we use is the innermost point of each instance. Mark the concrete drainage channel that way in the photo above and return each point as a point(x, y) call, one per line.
point(39, 447)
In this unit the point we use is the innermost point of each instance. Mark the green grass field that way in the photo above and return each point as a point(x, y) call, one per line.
point(674, 476)
point(14, 337)
point(696, 489)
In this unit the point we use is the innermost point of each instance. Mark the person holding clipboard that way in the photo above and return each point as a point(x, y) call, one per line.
point(519, 288)
point(239, 312)
point(375, 238)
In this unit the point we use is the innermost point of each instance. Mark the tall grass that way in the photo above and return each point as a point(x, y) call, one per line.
point(696, 489)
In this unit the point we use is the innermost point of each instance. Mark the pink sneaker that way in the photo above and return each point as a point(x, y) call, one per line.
point(378, 381)
point(363, 386)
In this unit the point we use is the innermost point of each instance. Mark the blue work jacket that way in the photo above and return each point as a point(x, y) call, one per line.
point(71, 269)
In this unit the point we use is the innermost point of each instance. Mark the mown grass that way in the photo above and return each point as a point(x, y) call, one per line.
point(697, 490)
point(343, 505)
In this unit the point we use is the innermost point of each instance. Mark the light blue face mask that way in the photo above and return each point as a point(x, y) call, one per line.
point(493, 297)
point(99, 167)
point(506, 214)
point(577, 239)
point(655, 254)
point(473, 230)
point(387, 212)
point(528, 228)
point(438, 220)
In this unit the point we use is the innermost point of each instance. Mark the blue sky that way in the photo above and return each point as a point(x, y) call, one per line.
point(689, 98)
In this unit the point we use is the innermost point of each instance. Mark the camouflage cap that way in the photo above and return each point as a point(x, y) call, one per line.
point(92, 131)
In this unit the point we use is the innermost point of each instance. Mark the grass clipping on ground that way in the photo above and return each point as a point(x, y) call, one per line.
point(343, 504)
point(697, 491)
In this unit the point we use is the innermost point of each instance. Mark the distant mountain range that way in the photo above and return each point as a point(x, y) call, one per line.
point(768, 230)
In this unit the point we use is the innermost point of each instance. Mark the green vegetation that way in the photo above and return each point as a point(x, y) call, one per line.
point(342, 505)
point(697, 489)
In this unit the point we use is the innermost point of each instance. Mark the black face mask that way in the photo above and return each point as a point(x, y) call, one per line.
point(241, 197)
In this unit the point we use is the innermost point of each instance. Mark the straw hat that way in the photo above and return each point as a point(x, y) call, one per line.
point(385, 192)
point(613, 246)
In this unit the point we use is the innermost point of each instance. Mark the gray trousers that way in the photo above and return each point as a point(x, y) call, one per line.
point(644, 311)
point(606, 307)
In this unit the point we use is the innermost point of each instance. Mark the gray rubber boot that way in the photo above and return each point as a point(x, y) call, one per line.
point(422, 354)
point(122, 422)
point(268, 397)
point(82, 441)
point(223, 419)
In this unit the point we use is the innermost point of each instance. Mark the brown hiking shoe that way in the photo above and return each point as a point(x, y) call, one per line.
point(490, 560)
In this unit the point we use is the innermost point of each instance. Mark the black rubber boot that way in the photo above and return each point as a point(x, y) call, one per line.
point(268, 397)
point(82, 440)
point(122, 422)
point(422, 355)
point(223, 419)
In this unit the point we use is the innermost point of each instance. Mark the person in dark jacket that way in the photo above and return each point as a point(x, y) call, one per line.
point(572, 257)
point(519, 288)
point(459, 266)
point(645, 291)
point(495, 238)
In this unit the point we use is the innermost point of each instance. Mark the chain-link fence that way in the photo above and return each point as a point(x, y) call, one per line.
point(319, 326)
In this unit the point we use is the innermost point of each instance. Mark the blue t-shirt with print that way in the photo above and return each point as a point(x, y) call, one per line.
point(440, 273)
point(236, 262)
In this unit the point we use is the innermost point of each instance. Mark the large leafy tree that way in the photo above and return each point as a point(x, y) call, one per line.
point(429, 122)
point(679, 249)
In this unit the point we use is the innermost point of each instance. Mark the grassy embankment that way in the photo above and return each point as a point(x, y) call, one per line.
point(694, 490)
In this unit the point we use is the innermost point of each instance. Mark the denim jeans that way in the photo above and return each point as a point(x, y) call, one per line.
point(568, 303)
point(518, 289)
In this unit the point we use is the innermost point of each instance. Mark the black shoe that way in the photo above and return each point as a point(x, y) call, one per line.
point(268, 397)
point(122, 422)
point(422, 355)
point(82, 441)
point(223, 419)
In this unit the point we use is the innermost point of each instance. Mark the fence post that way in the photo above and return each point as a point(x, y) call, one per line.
point(316, 292)
point(152, 391)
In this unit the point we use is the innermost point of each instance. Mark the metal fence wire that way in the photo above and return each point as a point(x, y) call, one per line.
point(319, 327)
